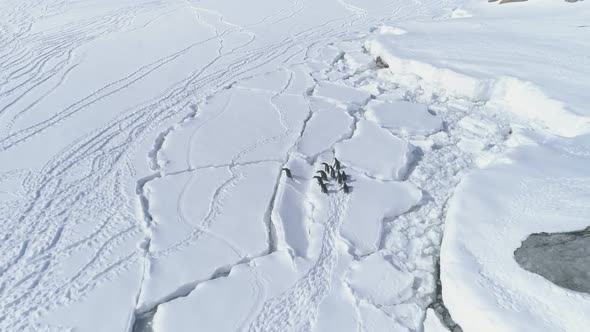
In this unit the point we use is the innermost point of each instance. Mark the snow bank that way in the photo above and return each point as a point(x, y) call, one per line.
point(541, 189)
point(538, 81)
point(442, 80)
point(411, 63)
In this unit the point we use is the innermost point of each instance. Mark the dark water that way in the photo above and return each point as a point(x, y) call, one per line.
point(562, 258)
point(143, 322)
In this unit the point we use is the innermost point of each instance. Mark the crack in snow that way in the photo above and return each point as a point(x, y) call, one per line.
point(426, 172)
point(147, 315)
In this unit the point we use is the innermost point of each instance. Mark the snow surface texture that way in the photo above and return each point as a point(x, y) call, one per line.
point(404, 117)
point(143, 143)
point(538, 182)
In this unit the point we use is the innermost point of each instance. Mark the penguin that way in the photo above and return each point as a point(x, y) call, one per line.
point(332, 172)
point(326, 167)
point(339, 178)
point(323, 175)
point(346, 188)
point(344, 176)
point(336, 164)
point(324, 188)
point(319, 179)
point(287, 172)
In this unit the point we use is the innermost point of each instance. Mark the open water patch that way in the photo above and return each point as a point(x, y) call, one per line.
point(562, 258)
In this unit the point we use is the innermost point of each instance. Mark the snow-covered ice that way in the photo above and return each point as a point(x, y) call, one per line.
point(432, 323)
point(404, 117)
point(375, 152)
point(375, 280)
point(195, 234)
point(374, 201)
point(231, 300)
point(328, 125)
point(160, 165)
point(478, 263)
point(342, 94)
point(358, 60)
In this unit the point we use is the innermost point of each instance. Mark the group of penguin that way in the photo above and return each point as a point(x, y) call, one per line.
point(335, 173)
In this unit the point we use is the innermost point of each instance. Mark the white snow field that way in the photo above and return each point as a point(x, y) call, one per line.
point(159, 164)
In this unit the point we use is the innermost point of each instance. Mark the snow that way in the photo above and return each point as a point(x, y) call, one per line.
point(184, 232)
point(338, 311)
point(158, 163)
point(249, 135)
point(432, 322)
point(377, 281)
point(533, 176)
point(478, 264)
point(327, 126)
point(83, 315)
point(403, 117)
point(526, 75)
point(342, 94)
point(358, 60)
point(376, 320)
point(231, 299)
point(386, 29)
point(375, 152)
point(290, 211)
point(374, 201)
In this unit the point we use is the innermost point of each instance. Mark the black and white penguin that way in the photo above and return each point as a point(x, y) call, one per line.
point(324, 188)
point(323, 175)
point(319, 179)
point(344, 176)
point(345, 188)
point(332, 172)
point(339, 178)
point(287, 172)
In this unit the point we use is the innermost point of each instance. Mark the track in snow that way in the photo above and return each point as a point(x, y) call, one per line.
point(76, 205)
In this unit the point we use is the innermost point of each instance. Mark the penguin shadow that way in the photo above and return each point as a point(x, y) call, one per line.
point(350, 190)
